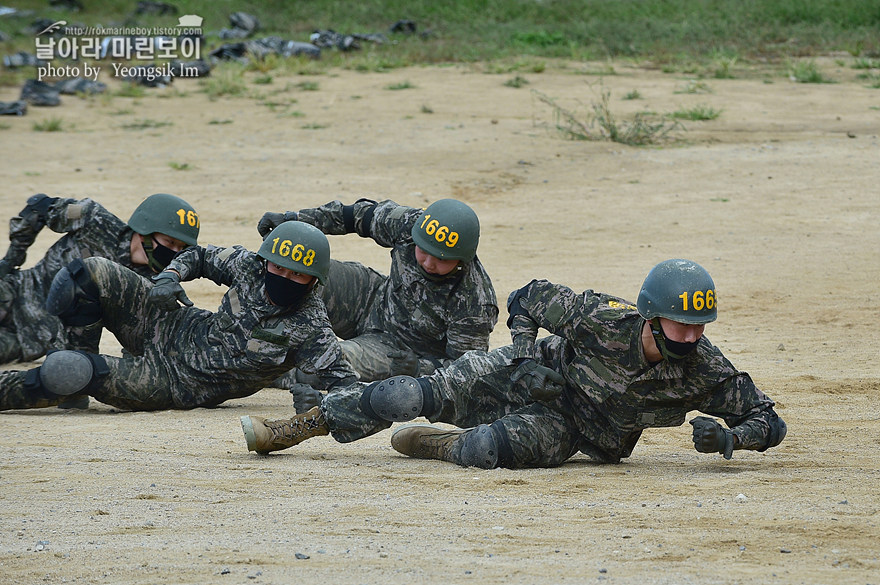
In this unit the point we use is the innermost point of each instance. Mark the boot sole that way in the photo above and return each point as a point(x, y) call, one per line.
point(248, 427)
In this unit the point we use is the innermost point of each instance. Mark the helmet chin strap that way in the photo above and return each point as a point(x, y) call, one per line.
point(663, 343)
point(453, 275)
point(150, 246)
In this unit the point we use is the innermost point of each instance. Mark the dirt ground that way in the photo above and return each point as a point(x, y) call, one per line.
point(778, 198)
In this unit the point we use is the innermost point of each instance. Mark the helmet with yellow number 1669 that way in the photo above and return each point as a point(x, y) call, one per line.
point(679, 290)
point(448, 229)
point(300, 247)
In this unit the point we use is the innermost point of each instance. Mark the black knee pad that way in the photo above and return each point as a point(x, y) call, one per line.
point(397, 399)
point(73, 296)
point(66, 372)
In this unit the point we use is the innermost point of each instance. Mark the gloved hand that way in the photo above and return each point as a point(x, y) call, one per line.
point(404, 361)
point(711, 437)
point(272, 220)
point(305, 397)
point(167, 291)
point(543, 383)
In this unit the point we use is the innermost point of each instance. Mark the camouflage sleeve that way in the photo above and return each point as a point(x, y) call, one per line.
point(553, 307)
point(322, 355)
point(39, 211)
point(391, 223)
point(746, 410)
point(337, 219)
point(217, 264)
point(70, 215)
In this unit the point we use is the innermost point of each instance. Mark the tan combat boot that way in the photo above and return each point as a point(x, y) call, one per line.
point(427, 442)
point(264, 436)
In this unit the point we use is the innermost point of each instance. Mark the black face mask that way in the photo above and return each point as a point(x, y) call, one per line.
point(671, 350)
point(284, 292)
point(158, 256)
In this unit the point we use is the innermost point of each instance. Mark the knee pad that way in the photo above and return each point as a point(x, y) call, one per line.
point(481, 447)
point(66, 372)
point(778, 430)
point(73, 296)
point(397, 399)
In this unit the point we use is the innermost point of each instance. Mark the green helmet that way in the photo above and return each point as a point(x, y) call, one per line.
point(167, 215)
point(300, 247)
point(448, 229)
point(679, 290)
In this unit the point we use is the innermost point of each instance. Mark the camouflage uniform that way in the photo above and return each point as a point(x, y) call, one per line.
point(611, 393)
point(192, 357)
point(438, 320)
point(27, 331)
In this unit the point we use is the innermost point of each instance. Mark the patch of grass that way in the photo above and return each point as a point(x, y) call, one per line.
point(308, 85)
point(132, 90)
point(632, 95)
point(602, 124)
point(216, 122)
point(698, 113)
point(145, 124)
point(52, 124)
point(694, 86)
point(122, 112)
point(4, 126)
point(807, 72)
point(294, 114)
point(226, 80)
point(426, 109)
point(263, 79)
point(314, 126)
point(866, 63)
point(516, 82)
point(402, 85)
point(724, 67)
point(179, 166)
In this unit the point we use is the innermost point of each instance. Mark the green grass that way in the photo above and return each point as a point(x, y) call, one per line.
point(179, 166)
point(710, 38)
point(402, 85)
point(473, 30)
point(145, 125)
point(698, 113)
point(52, 124)
point(604, 125)
point(807, 72)
point(516, 82)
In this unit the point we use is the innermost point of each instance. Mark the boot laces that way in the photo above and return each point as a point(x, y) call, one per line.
point(289, 428)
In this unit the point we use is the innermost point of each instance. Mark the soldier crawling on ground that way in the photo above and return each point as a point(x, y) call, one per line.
point(436, 303)
point(269, 321)
point(609, 371)
point(160, 227)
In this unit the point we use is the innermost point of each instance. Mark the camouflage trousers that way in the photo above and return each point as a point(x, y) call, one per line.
point(140, 382)
point(476, 389)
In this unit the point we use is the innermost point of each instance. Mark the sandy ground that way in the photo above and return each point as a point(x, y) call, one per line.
point(778, 198)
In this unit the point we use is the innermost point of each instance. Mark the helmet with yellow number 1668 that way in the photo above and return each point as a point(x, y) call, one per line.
point(300, 247)
point(679, 290)
point(448, 229)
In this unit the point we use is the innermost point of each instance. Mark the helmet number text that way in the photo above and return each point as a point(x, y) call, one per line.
point(297, 253)
point(190, 218)
point(441, 233)
point(699, 300)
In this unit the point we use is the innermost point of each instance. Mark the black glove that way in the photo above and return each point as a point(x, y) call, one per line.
point(167, 291)
point(272, 220)
point(305, 397)
point(543, 383)
point(711, 437)
point(404, 362)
